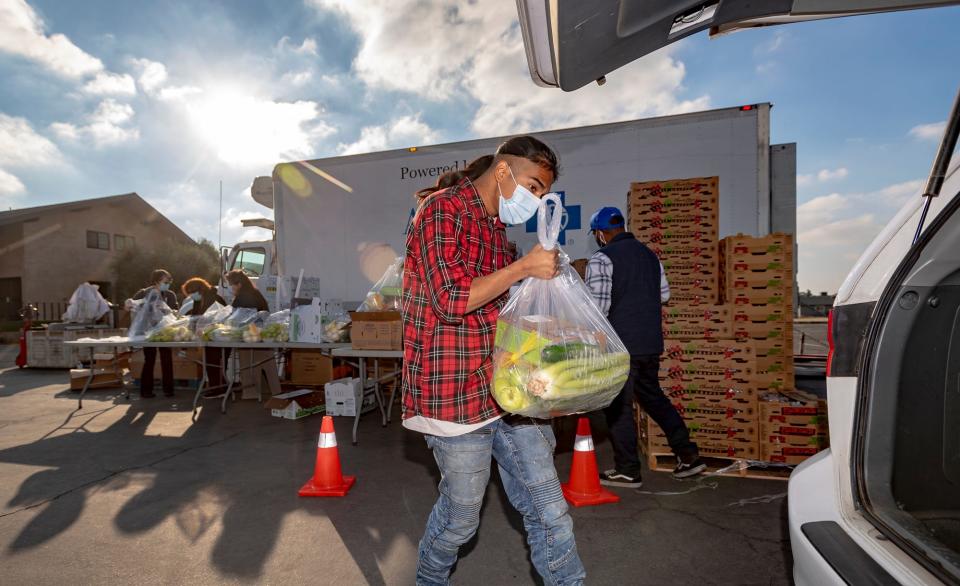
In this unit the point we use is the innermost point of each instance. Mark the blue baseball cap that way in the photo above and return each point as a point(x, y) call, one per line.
point(601, 219)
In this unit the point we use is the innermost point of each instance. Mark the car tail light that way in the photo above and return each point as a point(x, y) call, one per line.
point(830, 344)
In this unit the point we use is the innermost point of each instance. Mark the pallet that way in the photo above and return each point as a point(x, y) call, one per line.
point(665, 462)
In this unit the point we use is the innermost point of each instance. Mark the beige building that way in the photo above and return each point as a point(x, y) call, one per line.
point(45, 252)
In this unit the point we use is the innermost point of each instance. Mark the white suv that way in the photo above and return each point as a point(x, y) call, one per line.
point(882, 505)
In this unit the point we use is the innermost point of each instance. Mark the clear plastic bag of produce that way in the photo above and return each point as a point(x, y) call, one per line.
point(147, 313)
point(172, 329)
point(276, 328)
point(245, 316)
point(336, 326)
point(385, 293)
point(555, 352)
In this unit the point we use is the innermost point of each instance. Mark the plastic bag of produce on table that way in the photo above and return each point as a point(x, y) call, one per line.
point(245, 316)
point(555, 352)
point(385, 293)
point(172, 329)
point(147, 313)
point(276, 328)
point(336, 326)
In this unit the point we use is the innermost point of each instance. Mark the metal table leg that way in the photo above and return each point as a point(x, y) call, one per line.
point(203, 381)
point(86, 384)
point(363, 390)
point(376, 392)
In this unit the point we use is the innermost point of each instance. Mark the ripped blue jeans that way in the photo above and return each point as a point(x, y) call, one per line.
point(524, 454)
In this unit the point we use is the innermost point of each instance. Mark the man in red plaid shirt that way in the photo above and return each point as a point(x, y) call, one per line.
point(457, 272)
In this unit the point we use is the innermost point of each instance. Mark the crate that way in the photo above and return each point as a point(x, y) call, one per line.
point(725, 351)
point(645, 218)
point(691, 252)
point(742, 245)
point(749, 314)
point(673, 192)
point(687, 372)
point(727, 395)
point(45, 348)
point(782, 298)
point(683, 266)
point(696, 321)
point(669, 236)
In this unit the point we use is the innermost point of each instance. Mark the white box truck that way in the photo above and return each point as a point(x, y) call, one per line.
point(342, 220)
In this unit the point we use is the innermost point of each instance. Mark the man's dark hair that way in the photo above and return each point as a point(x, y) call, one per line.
point(527, 147)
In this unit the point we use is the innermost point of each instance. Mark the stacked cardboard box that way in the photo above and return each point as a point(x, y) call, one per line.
point(793, 426)
point(710, 382)
point(757, 279)
point(678, 220)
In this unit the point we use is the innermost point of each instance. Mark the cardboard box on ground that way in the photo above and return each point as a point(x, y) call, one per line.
point(344, 395)
point(310, 367)
point(296, 404)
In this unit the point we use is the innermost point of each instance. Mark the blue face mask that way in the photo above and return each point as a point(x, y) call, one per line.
point(164, 286)
point(195, 296)
point(520, 207)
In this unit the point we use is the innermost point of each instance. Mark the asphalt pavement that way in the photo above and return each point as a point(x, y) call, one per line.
point(131, 492)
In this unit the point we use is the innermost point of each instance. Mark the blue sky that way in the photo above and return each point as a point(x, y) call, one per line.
point(167, 98)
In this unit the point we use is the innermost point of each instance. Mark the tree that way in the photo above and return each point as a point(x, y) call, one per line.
point(132, 267)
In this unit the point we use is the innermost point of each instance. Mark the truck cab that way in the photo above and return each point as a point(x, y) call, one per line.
point(256, 258)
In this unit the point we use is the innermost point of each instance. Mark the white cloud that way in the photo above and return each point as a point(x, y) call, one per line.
point(250, 132)
point(297, 78)
point(106, 83)
point(832, 230)
point(821, 209)
point(195, 209)
point(22, 33)
point(443, 66)
point(10, 186)
point(823, 175)
point(766, 68)
point(832, 174)
point(307, 47)
point(896, 195)
point(153, 74)
point(404, 131)
point(107, 126)
point(932, 131)
point(772, 45)
point(22, 146)
point(177, 93)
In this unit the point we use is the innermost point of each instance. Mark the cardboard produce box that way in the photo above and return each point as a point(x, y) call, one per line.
point(296, 404)
point(306, 320)
point(310, 367)
point(794, 410)
point(787, 454)
point(376, 330)
point(720, 394)
point(696, 321)
point(718, 351)
point(102, 378)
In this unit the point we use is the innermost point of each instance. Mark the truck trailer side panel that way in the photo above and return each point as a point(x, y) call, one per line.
point(344, 218)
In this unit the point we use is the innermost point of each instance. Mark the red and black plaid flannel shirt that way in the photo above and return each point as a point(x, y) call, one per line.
point(447, 352)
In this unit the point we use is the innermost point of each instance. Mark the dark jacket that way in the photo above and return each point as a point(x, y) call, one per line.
point(252, 299)
point(635, 311)
point(169, 297)
point(207, 298)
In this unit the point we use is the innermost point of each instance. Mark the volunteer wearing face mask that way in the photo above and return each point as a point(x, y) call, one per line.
point(457, 271)
point(200, 295)
point(628, 283)
point(160, 280)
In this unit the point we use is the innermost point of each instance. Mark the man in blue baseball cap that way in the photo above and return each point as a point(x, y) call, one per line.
point(628, 283)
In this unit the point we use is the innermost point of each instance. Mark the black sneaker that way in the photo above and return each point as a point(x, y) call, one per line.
point(614, 478)
point(687, 470)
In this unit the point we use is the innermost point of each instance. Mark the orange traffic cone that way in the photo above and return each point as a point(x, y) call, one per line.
point(584, 486)
point(327, 479)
